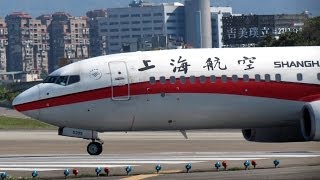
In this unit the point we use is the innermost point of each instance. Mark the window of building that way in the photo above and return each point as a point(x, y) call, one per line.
point(172, 79)
point(114, 30)
point(157, 14)
point(246, 78)
point(299, 77)
point(135, 15)
point(157, 28)
point(267, 78)
point(152, 80)
point(114, 44)
point(124, 15)
point(125, 36)
point(136, 29)
point(104, 30)
point(135, 22)
point(257, 78)
point(224, 78)
point(114, 37)
point(234, 78)
point(162, 80)
point(278, 77)
point(125, 29)
point(192, 79)
point(171, 28)
point(213, 78)
point(157, 21)
point(124, 22)
point(147, 28)
point(202, 79)
point(146, 15)
point(113, 23)
point(113, 16)
point(146, 22)
point(136, 36)
point(171, 21)
point(182, 79)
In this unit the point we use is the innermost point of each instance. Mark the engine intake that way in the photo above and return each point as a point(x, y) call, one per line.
point(310, 121)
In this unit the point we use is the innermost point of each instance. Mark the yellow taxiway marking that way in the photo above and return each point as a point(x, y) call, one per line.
point(146, 176)
point(140, 177)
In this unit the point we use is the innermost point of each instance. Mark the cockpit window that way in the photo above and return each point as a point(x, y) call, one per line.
point(73, 79)
point(51, 79)
point(62, 80)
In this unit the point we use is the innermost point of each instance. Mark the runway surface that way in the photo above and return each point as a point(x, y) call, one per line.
point(23, 151)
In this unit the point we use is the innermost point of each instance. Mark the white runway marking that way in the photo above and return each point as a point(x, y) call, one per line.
point(59, 162)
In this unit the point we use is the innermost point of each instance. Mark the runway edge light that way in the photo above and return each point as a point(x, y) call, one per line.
point(225, 165)
point(75, 172)
point(158, 168)
point(107, 171)
point(34, 174)
point(66, 173)
point(276, 163)
point(98, 171)
point(246, 164)
point(254, 164)
point(188, 167)
point(3, 175)
point(217, 165)
point(128, 169)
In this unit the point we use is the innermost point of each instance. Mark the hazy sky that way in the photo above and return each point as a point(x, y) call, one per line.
point(80, 7)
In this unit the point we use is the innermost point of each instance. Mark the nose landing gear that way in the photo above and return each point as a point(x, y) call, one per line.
point(94, 148)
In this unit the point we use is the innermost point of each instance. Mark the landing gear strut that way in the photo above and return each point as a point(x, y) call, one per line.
point(94, 148)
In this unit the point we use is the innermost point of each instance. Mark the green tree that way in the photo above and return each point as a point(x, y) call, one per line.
point(309, 36)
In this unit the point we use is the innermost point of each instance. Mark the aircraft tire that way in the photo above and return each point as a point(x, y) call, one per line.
point(94, 148)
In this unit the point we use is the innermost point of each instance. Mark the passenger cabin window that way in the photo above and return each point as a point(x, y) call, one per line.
point(278, 77)
point(172, 79)
point(319, 76)
point(152, 80)
point(182, 79)
point(234, 78)
point(202, 79)
point(267, 78)
point(224, 78)
point(246, 78)
point(162, 80)
point(192, 79)
point(213, 78)
point(257, 78)
point(299, 77)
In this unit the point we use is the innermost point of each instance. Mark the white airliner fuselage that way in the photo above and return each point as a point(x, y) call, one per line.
point(256, 89)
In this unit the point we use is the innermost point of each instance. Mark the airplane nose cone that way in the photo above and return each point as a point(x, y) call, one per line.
point(24, 102)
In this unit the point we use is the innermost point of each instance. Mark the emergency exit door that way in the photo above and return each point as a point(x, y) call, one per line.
point(120, 87)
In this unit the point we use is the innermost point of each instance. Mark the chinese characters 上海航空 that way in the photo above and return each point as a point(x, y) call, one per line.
point(248, 62)
point(181, 65)
point(146, 65)
point(209, 64)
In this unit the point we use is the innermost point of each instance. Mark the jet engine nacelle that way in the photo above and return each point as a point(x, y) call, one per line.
point(307, 130)
point(310, 121)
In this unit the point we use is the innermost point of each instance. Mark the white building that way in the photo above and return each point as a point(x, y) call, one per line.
point(216, 22)
point(127, 25)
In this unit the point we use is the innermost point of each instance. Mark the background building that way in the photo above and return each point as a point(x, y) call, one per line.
point(27, 44)
point(3, 45)
point(248, 30)
point(198, 23)
point(125, 26)
point(69, 39)
point(216, 24)
point(98, 43)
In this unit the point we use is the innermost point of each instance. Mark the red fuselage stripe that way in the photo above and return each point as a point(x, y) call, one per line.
point(276, 90)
